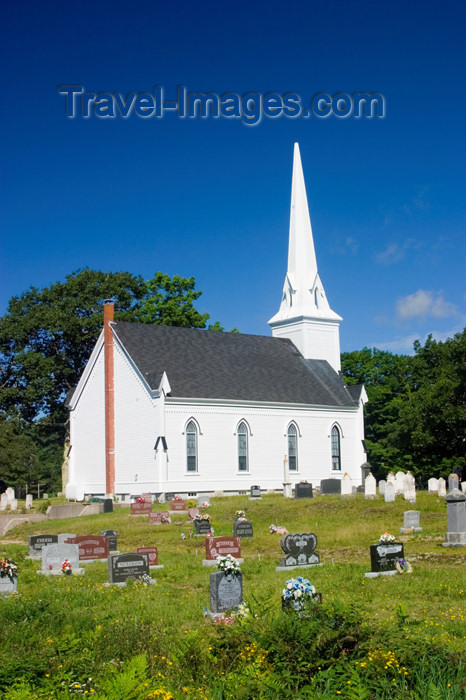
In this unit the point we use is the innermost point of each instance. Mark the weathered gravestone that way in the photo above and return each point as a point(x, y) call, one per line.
point(220, 547)
point(10, 494)
point(330, 486)
point(152, 556)
point(432, 485)
point(8, 585)
point(255, 493)
point(122, 567)
point(29, 500)
point(411, 522)
point(346, 485)
point(3, 501)
point(456, 513)
point(453, 482)
point(399, 483)
point(202, 527)
point(299, 549)
point(389, 495)
point(54, 555)
point(442, 489)
point(203, 499)
point(13, 504)
point(63, 536)
point(159, 517)
point(192, 512)
point(226, 591)
point(178, 505)
point(370, 487)
point(384, 557)
point(242, 528)
point(111, 535)
point(382, 484)
point(141, 508)
point(303, 490)
point(91, 547)
point(409, 491)
point(36, 542)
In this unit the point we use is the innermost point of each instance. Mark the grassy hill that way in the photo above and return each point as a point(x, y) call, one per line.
point(391, 637)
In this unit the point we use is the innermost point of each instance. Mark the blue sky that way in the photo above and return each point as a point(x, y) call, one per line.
point(210, 198)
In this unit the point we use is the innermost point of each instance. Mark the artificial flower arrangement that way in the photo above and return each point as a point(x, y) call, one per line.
point(387, 537)
point(279, 529)
point(228, 564)
point(140, 500)
point(203, 516)
point(177, 497)
point(205, 505)
point(298, 592)
point(66, 567)
point(403, 566)
point(8, 568)
point(165, 518)
point(240, 515)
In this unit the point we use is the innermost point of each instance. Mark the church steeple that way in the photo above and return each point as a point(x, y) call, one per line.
point(305, 315)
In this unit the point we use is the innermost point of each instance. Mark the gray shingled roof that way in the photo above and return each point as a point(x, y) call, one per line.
point(210, 364)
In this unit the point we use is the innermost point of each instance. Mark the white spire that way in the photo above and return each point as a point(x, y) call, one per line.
point(303, 300)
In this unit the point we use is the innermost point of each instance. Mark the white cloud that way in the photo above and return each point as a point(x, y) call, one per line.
point(396, 252)
point(404, 344)
point(424, 303)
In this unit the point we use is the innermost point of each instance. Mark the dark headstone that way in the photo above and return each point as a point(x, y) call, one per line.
point(202, 527)
point(112, 539)
point(255, 492)
point(141, 508)
point(303, 490)
point(226, 591)
point(121, 567)
point(365, 470)
point(108, 505)
point(36, 542)
point(329, 486)
point(91, 546)
point(151, 553)
point(221, 546)
point(242, 528)
point(299, 549)
point(385, 555)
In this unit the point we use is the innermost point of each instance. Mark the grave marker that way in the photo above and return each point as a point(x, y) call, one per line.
point(411, 521)
point(226, 591)
point(456, 513)
point(242, 528)
point(370, 486)
point(453, 482)
point(29, 499)
point(111, 535)
point(91, 547)
point(192, 512)
point(36, 542)
point(389, 495)
point(255, 493)
point(152, 556)
point(122, 567)
point(432, 485)
point(303, 490)
point(141, 508)
point(53, 556)
point(442, 489)
point(382, 485)
point(410, 488)
point(299, 549)
point(384, 557)
point(220, 547)
point(346, 485)
point(202, 527)
point(330, 486)
point(177, 505)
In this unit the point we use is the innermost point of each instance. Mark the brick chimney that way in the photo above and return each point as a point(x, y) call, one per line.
point(109, 400)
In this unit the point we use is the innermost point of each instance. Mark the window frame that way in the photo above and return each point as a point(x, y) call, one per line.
point(189, 448)
point(245, 447)
point(294, 427)
point(335, 446)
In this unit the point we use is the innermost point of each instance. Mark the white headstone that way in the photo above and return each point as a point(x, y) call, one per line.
point(370, 486)
point(53, 556)
point(14, 504)
point(346, 485)
point(442, 487)
point(389, 492)
point(391, 478)
point(382, 485)
point(399, 483)
point(161, 498)
point(3, 501)
point(432, 485)
point(463, 486)
point(202, 498)
point(29, 500)
point(409, 490)
point(453, 482)
point(10, 494)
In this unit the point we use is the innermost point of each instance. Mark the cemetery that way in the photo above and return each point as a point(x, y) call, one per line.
point(200, 631)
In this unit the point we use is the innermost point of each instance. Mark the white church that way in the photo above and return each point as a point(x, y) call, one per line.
point(178, 410)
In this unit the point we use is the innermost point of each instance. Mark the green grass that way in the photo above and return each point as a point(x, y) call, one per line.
point(153, 642)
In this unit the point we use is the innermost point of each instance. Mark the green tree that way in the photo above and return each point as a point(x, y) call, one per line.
point(169, 301)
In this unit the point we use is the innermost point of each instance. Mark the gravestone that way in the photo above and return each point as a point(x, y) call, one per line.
point(370, 487)
point(365, 471)
point(203, 498)
point(384, 557)
point(157, 517)
point(242, 528)
point(220, 547)
point(202, 527)
point(8, 585)
point(178, 505)
point(453, 482)
point(147, 496)
point(389, 495)
point(111, 535)
point(108, 505)
point(3, 501)
point(299, 549)
point(456, 513)
point(432, 485)
point(382, 485)
point(442, 489)
point(409, 491)
point(226, 591)
point(192, 512)
point(287, 490)
point(91, 547)
point(10, 494)
point(399, 483)
point(346, 485)
point(391, 478)
point(303, 490)
point(411, 522)
point(53, 556)
point(63, 536)
point(29, 499)
point(255, 493)
point(13, 504)
point(330, 486)
point(162, 499)
point(45, 496)
point(152, 556)
point(122, 567)
point(141, 508)
point(36, 542)
point(463, 486)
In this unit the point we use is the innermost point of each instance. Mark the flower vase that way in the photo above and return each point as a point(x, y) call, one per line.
point(68, 572)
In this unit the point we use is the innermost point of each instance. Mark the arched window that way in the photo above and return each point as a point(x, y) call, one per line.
point(242, 433)
point(336, 455)
point(191, 447)
point(292, 448)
